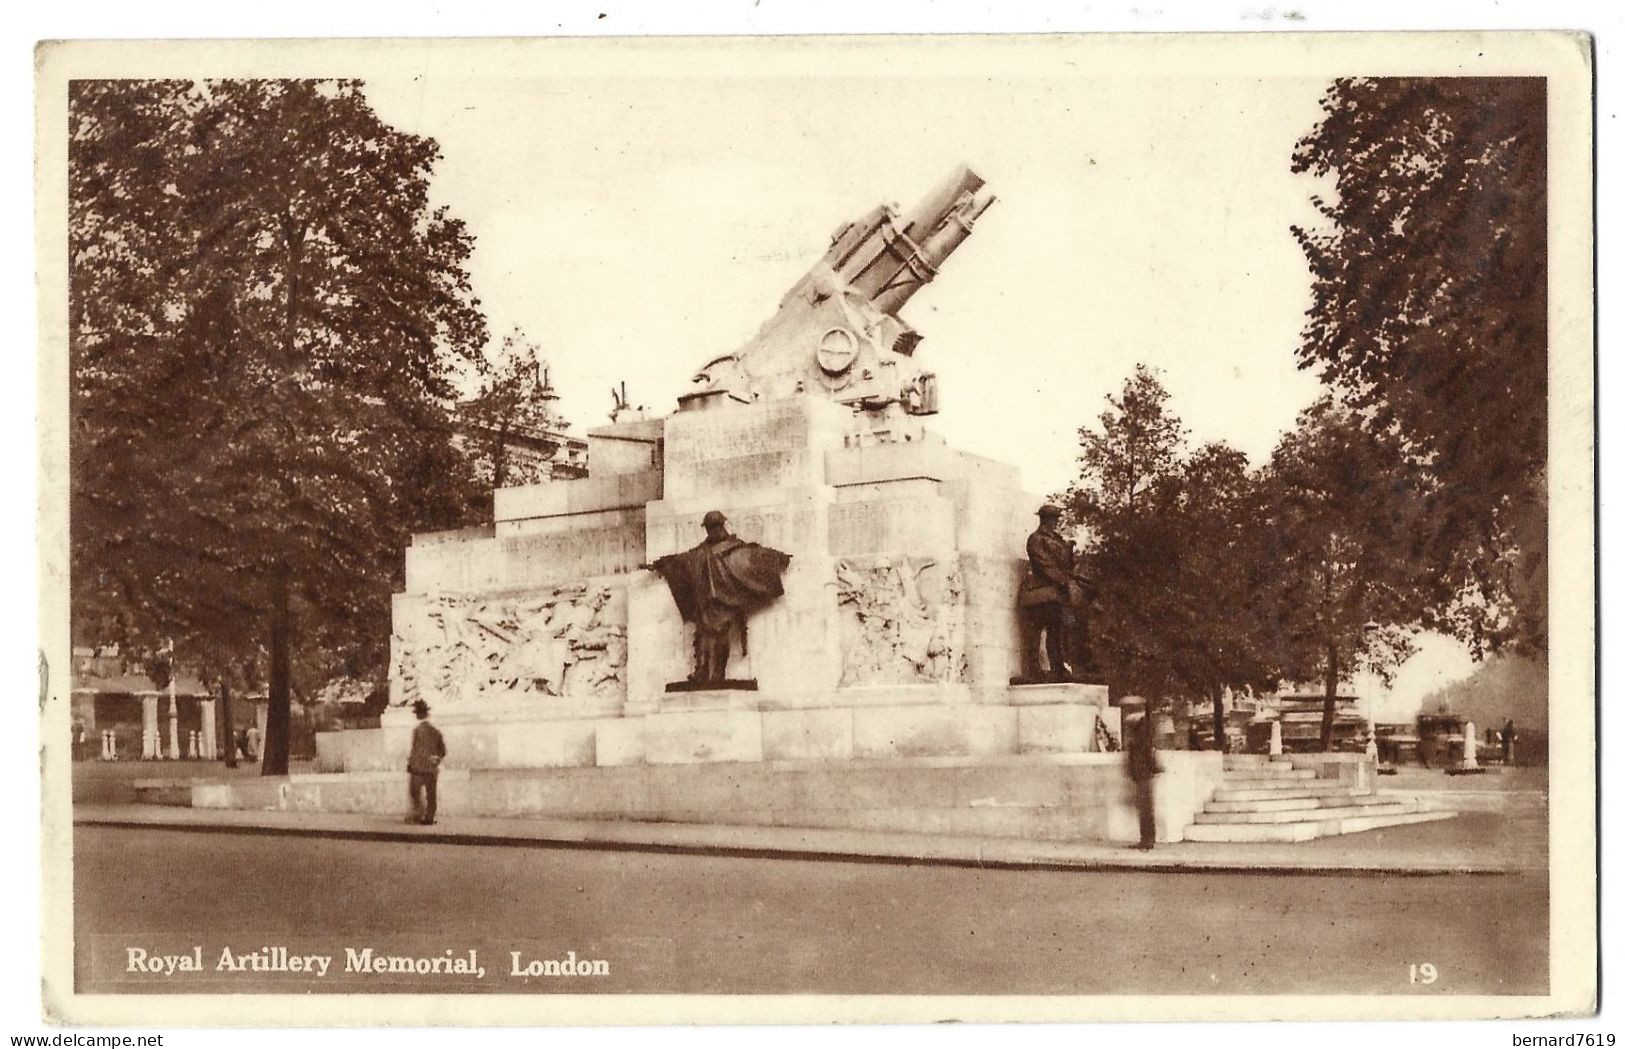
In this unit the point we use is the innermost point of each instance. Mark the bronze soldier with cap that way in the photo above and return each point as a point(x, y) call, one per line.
point(1052, 594)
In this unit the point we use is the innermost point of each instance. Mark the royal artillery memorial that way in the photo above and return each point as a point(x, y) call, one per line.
point(580, 667)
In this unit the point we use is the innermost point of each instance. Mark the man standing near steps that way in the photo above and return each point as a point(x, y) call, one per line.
point(423, 765)
point(1142, 767)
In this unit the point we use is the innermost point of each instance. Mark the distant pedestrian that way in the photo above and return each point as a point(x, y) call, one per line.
point(241, 743)
point(423, 765)
point(253, 747)
point(1509, 736)
point(1143, 767)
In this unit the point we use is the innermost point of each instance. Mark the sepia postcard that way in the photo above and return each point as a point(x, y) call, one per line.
point(817, 529)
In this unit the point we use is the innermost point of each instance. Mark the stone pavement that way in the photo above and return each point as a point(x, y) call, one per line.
point(1474, 843)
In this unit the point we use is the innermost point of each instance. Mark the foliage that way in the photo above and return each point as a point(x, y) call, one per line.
point(1429, 315)
point(1345, 577)
point(1502, 687)
point(514, 402)
point(1137, 446)
point(1208, 574)
point(1171, 554)
point(264, 310)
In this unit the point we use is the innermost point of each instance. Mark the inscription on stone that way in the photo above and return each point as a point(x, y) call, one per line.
point(878, 525)
point(529, 560)
point(758, 446)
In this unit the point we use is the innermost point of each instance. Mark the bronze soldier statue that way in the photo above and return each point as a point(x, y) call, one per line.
point(716, 585)
point(1052, 596)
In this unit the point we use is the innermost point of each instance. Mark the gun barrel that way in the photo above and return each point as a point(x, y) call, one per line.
point(929, 213)
point(887, 259)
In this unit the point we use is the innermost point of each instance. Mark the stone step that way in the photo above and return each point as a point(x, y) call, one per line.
point(1250, 761)
point(1270, 772)
point(1276, 804)
point(1257, 791)
point(1274, 832)
point(1383, 806)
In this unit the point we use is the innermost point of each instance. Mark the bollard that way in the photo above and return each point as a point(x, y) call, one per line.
point(174, 728)
point(1275, 739)
point(149, 727)
point(1469, 747)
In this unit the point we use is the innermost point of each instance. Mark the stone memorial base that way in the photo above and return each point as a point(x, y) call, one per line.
point(737, 725)
point(1017, 762)
point(1073, 797)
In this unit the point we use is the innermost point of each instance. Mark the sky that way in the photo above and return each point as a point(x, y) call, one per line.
point(638, 227)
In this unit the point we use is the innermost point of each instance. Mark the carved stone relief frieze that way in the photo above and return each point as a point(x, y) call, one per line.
point(564, 641)
point(902, 620)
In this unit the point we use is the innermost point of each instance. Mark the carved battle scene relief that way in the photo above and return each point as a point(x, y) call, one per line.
point(567, 641)
point(902, 620)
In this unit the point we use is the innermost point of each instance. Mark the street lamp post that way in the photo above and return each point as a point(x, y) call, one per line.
point(1369, 690)
point(174, 709)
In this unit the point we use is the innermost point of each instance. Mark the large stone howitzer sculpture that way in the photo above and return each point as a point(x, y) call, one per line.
point(837, 331)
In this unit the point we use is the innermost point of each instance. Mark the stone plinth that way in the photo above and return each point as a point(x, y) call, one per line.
point(1065, 798)
point(778, 444)
point(738, 725)
point(595, 548)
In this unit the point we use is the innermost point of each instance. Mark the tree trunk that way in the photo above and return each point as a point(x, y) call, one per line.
point(279, 702)
point(274, 747)
point(1218, 721)
point(1329, 715)
point(225, 719)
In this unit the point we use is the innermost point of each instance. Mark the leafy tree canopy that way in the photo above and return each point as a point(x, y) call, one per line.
point(1170, 550)
point(514, 404)
point(264, 307)
point(1345, 577)
point(1429, 315)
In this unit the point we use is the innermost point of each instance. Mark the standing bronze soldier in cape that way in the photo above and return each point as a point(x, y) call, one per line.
point(1053, 597)
point(716, 585)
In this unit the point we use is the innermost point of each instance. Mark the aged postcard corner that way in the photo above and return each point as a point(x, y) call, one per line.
point(542, 536)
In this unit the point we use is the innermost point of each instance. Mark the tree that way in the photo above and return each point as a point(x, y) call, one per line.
point(1172, 552)
point(515, 402)
point(265, 308)
point(1138, 444)
point(1342, 515)
point(1127, 470)
point(1429, 315)
point(1224, 561)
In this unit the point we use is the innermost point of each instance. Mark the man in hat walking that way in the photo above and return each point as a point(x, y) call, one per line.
point(423, 765)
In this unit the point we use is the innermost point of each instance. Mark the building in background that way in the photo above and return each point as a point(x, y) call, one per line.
point(116, 707)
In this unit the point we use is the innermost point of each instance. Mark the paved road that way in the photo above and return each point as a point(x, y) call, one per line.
point(676, 923)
